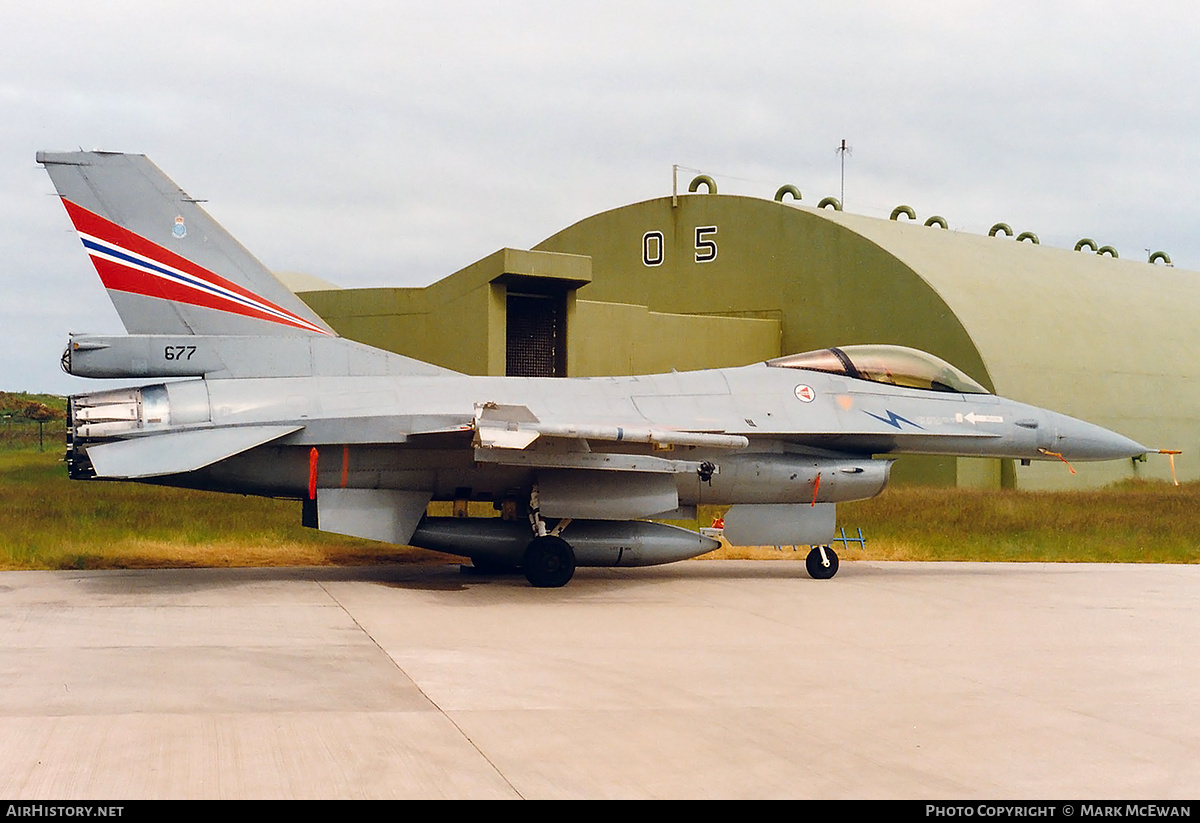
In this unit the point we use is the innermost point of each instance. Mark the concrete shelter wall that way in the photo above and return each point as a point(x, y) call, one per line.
point(824, 283)
point(459, 322)
point(620, 338)
point(454, 334)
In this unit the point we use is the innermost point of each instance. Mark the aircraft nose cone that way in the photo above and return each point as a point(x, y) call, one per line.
point(1078, 440)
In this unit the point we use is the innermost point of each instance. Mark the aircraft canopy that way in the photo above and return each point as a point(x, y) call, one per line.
point(894, 365)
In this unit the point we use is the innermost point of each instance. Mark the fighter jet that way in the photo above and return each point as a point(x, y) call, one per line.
point(249, 391)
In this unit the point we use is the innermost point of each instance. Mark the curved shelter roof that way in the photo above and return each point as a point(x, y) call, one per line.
point(1111, 341)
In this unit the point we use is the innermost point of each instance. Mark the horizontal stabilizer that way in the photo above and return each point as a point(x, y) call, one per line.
point(178, 452)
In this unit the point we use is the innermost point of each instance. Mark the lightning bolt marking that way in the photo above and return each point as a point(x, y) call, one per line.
point(894, 420)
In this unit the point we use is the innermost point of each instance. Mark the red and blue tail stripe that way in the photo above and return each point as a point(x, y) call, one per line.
point(128, 262)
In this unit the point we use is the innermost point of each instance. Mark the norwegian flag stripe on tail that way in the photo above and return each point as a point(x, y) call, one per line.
point(128, 262)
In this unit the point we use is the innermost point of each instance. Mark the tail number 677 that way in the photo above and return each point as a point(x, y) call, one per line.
point(178, 352)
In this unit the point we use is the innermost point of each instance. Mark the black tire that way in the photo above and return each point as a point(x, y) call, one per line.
point(549, 562)
point(818, 570)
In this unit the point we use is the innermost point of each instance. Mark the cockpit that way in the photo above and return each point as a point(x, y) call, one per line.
point(892, 365)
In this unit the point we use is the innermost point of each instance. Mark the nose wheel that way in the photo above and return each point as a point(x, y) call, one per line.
point(822, 562)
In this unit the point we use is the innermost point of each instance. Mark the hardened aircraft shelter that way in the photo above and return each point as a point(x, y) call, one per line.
point(704, 280)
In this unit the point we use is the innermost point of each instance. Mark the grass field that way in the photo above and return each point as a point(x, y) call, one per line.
point(1129, 523)
point(50, 522)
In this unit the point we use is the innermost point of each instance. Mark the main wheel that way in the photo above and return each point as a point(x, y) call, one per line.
point(549, 562)
point(817, 568)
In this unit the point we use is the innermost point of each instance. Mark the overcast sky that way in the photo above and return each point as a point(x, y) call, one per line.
point(391, 143)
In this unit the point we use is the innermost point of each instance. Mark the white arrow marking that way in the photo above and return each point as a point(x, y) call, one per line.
point(973, 418)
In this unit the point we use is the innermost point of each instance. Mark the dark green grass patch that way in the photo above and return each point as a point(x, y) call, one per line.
point(50, 522)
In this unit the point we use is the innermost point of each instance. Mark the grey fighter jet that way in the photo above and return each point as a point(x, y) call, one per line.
point(248, 391)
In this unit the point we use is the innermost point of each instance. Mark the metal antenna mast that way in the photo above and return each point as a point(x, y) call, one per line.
point(843, 150)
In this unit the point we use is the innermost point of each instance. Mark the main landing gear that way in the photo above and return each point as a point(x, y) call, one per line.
point(822, 562)
point(549, 561)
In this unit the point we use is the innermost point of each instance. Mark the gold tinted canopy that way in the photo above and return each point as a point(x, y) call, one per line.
point(893, 365)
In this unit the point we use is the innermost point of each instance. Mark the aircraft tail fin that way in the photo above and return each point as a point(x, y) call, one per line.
point(168, 266)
